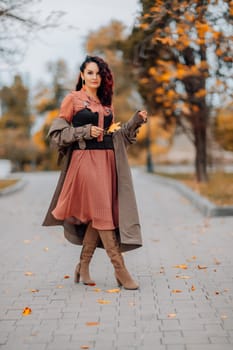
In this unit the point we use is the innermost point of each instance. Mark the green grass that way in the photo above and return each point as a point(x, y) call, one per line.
point(218, 189)
point(8, 182)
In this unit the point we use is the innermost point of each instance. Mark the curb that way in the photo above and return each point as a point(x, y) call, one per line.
point(13, 188)
point(206, 207)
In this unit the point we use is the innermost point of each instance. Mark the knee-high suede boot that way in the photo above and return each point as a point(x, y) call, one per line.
point(112, 248)
point(90, 243)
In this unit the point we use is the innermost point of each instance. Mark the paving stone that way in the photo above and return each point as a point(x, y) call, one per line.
point(209, 347)
point(220, 340)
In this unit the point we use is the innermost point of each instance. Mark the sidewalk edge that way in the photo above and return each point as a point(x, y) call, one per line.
point(206, 207)
point(21, 183)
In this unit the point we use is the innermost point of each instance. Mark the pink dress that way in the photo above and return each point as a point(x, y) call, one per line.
point(89, 192)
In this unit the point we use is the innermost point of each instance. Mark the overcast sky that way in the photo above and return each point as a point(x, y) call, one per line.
point(87, 15)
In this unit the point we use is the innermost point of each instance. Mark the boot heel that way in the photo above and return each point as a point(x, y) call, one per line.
point(127, 281)
point(118, 282)
point(77, 274)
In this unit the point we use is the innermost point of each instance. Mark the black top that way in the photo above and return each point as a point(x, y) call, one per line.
point(86, 116)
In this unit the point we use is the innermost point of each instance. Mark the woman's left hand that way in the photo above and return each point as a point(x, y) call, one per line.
point(143, 115)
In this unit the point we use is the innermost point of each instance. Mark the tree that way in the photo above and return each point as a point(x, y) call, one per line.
point(183, 56)
point(49, 96)
point(15, 124)
point(47, 102)
point(108, 42)
point(15, 106)
point(46, 157)
point(20, 20)
point(223, 127)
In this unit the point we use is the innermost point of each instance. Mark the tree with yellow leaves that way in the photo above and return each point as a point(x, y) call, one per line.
point(223, 127)
point(182, 51)
point(15, 125)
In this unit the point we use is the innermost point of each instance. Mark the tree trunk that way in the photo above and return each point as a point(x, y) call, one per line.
point(201, 149)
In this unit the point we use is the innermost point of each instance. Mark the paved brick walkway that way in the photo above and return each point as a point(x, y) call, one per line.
point(175, 308)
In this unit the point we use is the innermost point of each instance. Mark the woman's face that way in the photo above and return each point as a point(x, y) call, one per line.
point(91, 76)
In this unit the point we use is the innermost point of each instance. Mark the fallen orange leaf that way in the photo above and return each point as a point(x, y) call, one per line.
point(193, 288)
point(183, 277)
point(28, 273)
point(116, 290)
point(162, 269)
point(34, 290)
point(27, 311)
point(223, 317)
point(96, 290)
point(84, 347)
point(202, 267)
point(92, 323)
point(171, 315)
point(216, 261)
point(60, 287)
point(102, 301)
point(181, 266)
point(66, 276)
point(176, 291)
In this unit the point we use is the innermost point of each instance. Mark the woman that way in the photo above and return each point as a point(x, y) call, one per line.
point(94, 199)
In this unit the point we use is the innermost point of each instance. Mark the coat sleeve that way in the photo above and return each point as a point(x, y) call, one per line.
point(63, 134)
point(130, 129)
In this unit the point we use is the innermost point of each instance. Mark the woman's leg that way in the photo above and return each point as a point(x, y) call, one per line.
point(113, 250)
point(90, 243)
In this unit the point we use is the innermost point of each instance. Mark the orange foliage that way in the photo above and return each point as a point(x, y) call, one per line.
point(50, 116)
point(224, 127)
point(161, 137)
point(38, 137)
point(200, 93)
point(202, 28)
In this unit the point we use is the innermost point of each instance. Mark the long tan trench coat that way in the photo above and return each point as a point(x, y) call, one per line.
point(62, 134)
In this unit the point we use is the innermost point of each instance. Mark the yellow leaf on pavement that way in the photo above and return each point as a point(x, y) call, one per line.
point(201, 267)
point(102, 301)
point(181, 266)
point(92, 323)
point(27, 311)
point(28, 273)
point(116, 290)
point(183, 277)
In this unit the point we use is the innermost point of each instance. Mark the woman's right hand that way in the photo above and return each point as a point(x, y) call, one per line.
point(96, 131)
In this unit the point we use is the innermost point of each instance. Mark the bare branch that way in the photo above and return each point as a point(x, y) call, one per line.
point(20, 21)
